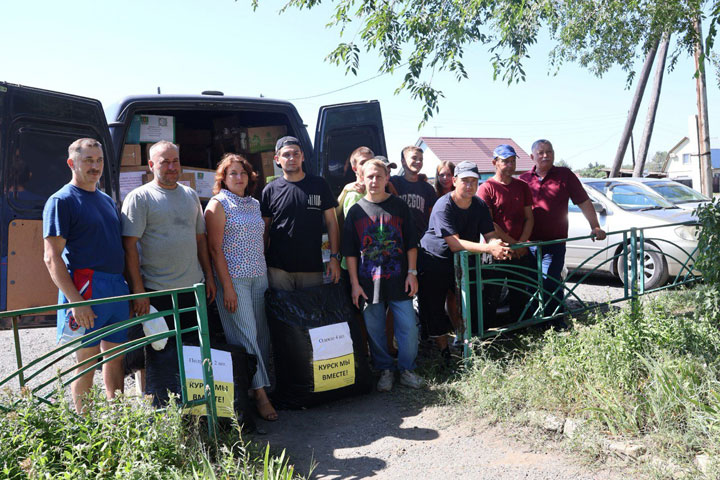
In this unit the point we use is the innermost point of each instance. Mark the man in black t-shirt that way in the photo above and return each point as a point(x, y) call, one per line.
point(293, 208)
point(419, 195)
point(457, 221)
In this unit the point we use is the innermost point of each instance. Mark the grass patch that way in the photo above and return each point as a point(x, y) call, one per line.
point(124, 439)
point(654, 377)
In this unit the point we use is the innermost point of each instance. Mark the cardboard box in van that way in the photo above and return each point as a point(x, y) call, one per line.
point(131, 156)
point(262, 139)
point(204, 181)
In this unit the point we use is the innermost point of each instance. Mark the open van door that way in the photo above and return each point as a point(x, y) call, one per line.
point(36, 128)
point(341, 128)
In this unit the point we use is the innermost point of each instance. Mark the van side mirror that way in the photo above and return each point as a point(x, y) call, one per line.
point(599, 208)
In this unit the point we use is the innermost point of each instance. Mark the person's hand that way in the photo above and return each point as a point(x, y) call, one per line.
point(520, 252)
point(356, 293)
point(210, 289)
point(599, 234)
point(141, 306)
point(84, 316)
point(358, 187)
point(499, 249)
point(411, 285)
point(333, 270)
point(230, 299)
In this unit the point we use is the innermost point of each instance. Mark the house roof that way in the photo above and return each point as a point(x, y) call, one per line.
point(474, 149)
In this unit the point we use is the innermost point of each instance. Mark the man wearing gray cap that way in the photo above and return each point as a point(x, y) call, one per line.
point(457, 221)
point(293, 208)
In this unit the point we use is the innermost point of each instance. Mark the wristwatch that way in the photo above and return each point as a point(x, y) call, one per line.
point(336, 256)
point(412, 272)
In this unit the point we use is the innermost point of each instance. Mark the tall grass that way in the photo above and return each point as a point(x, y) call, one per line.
point(124, 439)
point(654, 376)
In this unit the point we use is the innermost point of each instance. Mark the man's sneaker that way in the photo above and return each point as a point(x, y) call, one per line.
point(411, 379)
point(386, 381)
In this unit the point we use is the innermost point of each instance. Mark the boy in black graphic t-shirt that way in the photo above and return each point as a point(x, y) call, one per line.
point(412, 188)
point(293, 208)
point(380, 245)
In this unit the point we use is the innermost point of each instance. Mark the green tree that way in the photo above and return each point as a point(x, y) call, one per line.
point(593, 170)
point(423, 37)
point(656, 163)
point(562, 163)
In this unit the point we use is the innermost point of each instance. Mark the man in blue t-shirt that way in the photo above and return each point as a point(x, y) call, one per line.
point(294, 207)
point(411, 186)
point(85, 258)
point(458, 220)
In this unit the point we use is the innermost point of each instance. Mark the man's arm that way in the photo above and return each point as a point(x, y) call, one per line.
point(589, 212)
point(53, 247)
point(526, 231)
point(141, 306)
point(495, 247)
point(357, 290)
point(334, 237)
point(204, 259)
point(266, 233)
point(411, 282)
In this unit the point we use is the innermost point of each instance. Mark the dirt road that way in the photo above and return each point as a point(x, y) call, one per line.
point(406, 435)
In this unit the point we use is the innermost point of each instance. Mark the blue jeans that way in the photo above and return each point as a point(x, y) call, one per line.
point(406, 333)
point(553, 261)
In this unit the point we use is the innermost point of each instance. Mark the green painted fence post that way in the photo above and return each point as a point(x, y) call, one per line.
point(634, 300)
point(208, 380)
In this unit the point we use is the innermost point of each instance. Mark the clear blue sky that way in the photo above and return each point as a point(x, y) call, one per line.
point(107, 50)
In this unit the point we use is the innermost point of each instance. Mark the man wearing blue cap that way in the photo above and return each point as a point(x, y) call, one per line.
point(457, 222)
point(294, 207)
point(510, 203)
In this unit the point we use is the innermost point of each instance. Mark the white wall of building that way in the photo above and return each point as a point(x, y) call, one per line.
point(430, 162)
point(684, 161)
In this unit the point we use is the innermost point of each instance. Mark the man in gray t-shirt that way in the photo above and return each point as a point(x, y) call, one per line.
point(164, 218)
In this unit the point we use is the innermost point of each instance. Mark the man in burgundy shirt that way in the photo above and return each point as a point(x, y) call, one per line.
point(510, 202)
point(551, 189)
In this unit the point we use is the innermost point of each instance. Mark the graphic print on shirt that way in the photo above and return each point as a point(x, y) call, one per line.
point(414, 201)
point(381, 246)
point(314, 201)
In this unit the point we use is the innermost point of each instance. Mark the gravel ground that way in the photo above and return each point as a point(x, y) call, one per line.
point(398, 435)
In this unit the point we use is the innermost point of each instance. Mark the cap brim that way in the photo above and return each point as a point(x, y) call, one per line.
point(468, 174)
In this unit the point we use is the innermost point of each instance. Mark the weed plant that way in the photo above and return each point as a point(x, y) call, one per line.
point(654, 376)
point(124, 439)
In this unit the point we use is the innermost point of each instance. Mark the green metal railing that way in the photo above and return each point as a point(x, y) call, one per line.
point(44, 391)
point(625, 255)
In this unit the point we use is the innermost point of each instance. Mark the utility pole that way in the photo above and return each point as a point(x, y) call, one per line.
point(706, 176)
point(634, 107)
point(652, 108)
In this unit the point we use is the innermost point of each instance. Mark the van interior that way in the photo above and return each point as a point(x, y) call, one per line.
point(203, 137)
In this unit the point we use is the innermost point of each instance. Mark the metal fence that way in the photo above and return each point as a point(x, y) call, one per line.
point(28, 376)
point(630, 255)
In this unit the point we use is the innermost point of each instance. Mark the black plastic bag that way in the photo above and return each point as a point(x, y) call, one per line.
point(304, 379)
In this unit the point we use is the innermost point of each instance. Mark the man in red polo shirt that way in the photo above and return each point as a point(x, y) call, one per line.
point(510, 202)
point(551, 189)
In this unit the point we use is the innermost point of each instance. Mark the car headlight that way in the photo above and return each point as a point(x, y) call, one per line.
point(687, 233)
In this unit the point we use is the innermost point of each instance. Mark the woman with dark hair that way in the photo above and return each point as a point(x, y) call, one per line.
point(235, 236)
point(444, 177)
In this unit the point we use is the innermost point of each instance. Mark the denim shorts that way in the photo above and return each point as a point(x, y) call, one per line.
point(93, 285)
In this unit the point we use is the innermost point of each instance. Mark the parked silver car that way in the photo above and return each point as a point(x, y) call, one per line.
point(623, 203)
point(672, 191)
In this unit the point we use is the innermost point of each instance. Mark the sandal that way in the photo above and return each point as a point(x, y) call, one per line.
point(266, 411)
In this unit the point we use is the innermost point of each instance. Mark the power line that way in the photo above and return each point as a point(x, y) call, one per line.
point(341, 89)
